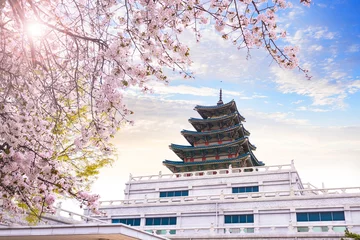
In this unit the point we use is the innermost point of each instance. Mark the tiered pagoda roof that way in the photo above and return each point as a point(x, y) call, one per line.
point(220, 139)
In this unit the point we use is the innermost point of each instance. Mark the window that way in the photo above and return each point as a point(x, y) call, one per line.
point(244, 218)
point(174, 193)
point(320, 216)
point(245, 189)
point(160, 221)
point(127, 221)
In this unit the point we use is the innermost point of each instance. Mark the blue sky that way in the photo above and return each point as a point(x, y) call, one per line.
point(316, 122)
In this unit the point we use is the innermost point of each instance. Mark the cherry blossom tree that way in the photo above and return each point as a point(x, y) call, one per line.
point(63, 68)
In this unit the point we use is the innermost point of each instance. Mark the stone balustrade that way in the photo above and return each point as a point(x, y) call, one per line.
point(298, 193)
point(72, 217)
point(246, 170)
point(319, 229)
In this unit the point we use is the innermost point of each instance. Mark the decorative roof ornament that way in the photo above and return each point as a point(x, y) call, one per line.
point(220, 102)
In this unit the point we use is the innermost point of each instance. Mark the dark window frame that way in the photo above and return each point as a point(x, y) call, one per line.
point(245, 189)
point(239, 218)
point(325, 216)
point(127, 221)
point(158, 221)
point(177, 193)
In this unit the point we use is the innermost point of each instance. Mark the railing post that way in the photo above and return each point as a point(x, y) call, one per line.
point(58, 208)
point(290, 227)
point(292, 191)
point(212, 230)
point(221, 195)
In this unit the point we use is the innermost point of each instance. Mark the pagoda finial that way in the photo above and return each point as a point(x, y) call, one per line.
point(220, 99)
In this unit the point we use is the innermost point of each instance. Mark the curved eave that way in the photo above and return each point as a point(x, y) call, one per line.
point(178, 163)
point(204, 110)
point(190, 136)
point(200, 107)
point(255, 161)
point(207, 133)
point(176, 147)
point(252, 147)
point(201, 120)
point(246, 132)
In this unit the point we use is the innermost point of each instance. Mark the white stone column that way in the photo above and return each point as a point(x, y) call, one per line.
point(256, 219)
point(347, 213)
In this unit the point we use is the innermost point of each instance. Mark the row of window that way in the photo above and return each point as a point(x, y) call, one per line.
point(242, 218)
point(245, 189)
point(160, 221)
point(174, 193)
point(148, 221)
point(186, 192)
point(320, 216)
point(127, 221)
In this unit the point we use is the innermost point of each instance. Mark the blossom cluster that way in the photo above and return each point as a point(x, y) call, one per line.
point(61, 90)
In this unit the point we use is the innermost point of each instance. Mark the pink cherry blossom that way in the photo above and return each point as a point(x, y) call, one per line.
point(64, 66)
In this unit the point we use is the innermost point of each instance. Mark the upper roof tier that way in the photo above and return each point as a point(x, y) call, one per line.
point(215, 123)
point(229, 133)
point(217, 110)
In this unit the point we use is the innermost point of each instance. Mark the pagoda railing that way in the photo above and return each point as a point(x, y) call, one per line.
point(246, 230)
point(207, 173)
point(297, 193)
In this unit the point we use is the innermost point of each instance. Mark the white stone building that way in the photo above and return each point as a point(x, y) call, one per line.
point(221, 191)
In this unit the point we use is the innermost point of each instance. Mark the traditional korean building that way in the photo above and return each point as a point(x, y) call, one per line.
point(217, 190)
point(220, 140)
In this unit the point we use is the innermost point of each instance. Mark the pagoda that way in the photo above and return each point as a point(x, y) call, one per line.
point(220, 140)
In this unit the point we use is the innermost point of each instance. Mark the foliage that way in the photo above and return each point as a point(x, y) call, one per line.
point(349, 234)
point(63, 68)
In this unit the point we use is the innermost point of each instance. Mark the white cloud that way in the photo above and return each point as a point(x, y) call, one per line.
point(167, 90)
point(354, 86)
point(295, 12)
point(322, 91)
point(319, 110)
point(252, 97)
point(190, 90)
point(321, 33)
point(321, 5)
point(337, 75)
point(297, 39)
point(297, 102)
point(315, 48)
point(279, 117)
point(216, 58)
point(302, 108)
point(354, 48)
point(162, 92)
point(304, 35)
point(311, 109)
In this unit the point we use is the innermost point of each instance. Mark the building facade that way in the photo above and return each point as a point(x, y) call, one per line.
point(220, 190)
